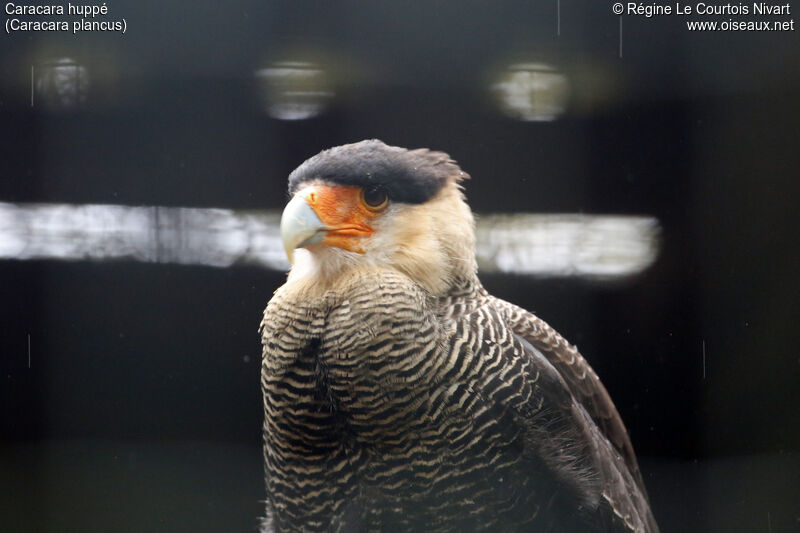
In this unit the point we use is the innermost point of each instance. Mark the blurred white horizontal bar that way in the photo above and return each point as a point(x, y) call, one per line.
point(215, 237)
point(567, 245)
point(542, 245)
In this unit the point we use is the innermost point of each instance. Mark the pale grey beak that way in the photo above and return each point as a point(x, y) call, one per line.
point(300, 226)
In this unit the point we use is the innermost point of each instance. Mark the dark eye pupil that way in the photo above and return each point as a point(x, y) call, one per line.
point(374, 196)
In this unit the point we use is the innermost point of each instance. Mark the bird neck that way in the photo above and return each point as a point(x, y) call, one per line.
point(435, 242)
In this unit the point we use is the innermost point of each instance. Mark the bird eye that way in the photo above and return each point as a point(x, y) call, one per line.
point(375, 198)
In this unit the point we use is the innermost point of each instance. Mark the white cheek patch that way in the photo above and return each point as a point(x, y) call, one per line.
point(384, 239)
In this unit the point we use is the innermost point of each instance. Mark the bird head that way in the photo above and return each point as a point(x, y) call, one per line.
point(369, 205)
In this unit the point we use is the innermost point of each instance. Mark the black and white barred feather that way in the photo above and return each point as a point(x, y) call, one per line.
point(390, 409)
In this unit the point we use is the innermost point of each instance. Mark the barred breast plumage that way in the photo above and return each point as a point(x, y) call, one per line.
point(400, 396)
point(388, 410)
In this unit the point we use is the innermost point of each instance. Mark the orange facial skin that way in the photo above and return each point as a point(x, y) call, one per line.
point(341, 208)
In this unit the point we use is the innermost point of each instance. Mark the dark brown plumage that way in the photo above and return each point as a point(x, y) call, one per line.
point(399, 398)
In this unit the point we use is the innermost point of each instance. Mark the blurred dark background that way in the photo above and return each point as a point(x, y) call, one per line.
point(129, 391)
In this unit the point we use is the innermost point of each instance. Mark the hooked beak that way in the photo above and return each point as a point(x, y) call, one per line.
point(329, 214)
point(300, 226)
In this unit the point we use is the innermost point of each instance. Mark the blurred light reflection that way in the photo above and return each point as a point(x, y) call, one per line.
point(591, 246)
point(532, 92)
point(215, 237)
point(61, 84)
point(294, 90)
point(568, 245)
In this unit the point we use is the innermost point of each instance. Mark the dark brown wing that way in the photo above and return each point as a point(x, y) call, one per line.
point(623, 488)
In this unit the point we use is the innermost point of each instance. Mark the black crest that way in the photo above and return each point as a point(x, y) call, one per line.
point(408, 176)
